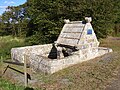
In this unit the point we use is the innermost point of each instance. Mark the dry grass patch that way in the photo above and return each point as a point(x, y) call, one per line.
point(90, 75)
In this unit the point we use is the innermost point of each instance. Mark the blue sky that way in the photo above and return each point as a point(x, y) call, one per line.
point(5, 3)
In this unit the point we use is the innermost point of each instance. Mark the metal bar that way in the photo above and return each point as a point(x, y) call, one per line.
point(81, 35)
point(16, 63)
point(5, 70)
point(28, 75)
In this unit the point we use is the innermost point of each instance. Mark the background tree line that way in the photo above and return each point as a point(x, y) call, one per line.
point(40, 21)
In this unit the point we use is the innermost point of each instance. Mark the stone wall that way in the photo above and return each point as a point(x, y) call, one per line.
point(37, 57)
point(18, 53)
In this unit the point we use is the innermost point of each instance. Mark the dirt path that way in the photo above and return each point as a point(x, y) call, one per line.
point(115, 84)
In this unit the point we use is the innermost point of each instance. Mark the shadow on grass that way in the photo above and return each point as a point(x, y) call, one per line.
point(27, 88)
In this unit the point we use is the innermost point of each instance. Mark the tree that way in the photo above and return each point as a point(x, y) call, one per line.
point(42, 20)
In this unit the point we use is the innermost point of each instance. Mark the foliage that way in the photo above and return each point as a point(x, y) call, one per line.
point(15, 22)
point(39, 20)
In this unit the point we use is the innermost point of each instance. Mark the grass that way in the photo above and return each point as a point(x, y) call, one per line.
point(6, 43)
point(111, 42)
point(95, 74)
point(6, 85)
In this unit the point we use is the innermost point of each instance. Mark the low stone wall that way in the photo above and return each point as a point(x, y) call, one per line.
point(18, 53)
point(37, 57)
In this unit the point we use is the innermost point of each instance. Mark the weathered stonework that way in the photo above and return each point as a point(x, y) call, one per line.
point(39, 61)
point(50, 58)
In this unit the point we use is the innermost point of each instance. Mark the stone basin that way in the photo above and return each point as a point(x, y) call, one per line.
point(39, 58)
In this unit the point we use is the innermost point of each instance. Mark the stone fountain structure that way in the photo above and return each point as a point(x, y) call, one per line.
point(76, 43)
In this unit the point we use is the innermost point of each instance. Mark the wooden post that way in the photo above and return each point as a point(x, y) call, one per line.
point(25, 70)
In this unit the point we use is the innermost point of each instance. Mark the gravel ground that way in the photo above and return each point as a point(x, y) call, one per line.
point(115, 84)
